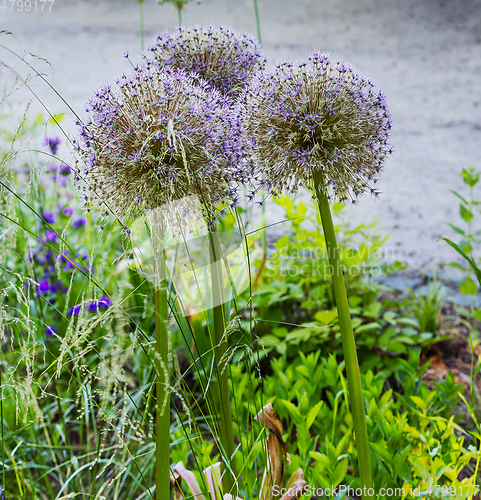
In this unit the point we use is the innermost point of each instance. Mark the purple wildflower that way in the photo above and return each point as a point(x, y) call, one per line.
point(74, 310)
point(157, 139)
point(48, 217)
point(79, 222)
point(43, 287)
point(51, 235)
point(319, 116)
point(103, 303)
point(52, 143)
point(67, 211)
point(50, 331)
point(224, 58)
point(65, 169)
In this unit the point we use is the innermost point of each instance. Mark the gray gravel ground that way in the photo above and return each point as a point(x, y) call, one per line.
point(425, 55)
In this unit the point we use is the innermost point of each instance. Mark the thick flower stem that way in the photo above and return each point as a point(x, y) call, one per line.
point(222, 399)
point(162, 435)
point(348, 342)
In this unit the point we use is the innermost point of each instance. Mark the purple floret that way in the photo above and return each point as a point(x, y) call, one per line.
point(74, 310)
point(51, 330)
point(65, 169)
point(79, 222)
point(52, 143)
point(49, 217)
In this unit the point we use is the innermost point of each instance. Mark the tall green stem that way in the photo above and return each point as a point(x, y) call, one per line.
point(179, 12)
point(141, 7)
point(348, 342)
point(258, 23)
point(162, 433)
point(222, 398)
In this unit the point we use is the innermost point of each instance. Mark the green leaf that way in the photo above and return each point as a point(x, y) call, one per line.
point(313, 414)
point(326, 317)
point(465, 213)
point(293, 412)
point(459, 196)
point(339, 472)
point(469, 259)
point(468, 286)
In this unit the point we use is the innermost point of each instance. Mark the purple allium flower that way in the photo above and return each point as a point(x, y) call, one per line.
point(316, 116)
point(52, 143)
point(159, 138)
point(79, 222)
point(49, 217)
point(65, 169)
point(221, 56)
point(50, 331)
point(74, 310)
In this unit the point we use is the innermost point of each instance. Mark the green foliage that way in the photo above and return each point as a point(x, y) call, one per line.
point(413, 433)
point(469, 207)
point(294, 298)
point(426, 308)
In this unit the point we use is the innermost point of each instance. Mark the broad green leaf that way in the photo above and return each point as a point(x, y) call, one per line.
point(468, 286)
point(465, 213)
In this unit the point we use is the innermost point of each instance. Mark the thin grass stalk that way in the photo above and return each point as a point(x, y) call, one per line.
point(224, 409)
point(162, 432)
point(348, 342)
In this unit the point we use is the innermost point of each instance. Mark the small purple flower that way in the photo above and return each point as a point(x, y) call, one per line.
point(52, 143)
point(74, 310)
point(65, 169)
point(48, 217)
point(43, 286)
point(51, 235)
point(51, 330)
point(68, 211)
point(79, 222)
point(103, 303)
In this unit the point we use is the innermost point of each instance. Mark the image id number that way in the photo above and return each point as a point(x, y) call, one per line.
point(27, 5)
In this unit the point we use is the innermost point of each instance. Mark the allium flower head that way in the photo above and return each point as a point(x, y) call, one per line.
point(224, 58)
point(159, 137)
point(313, 116)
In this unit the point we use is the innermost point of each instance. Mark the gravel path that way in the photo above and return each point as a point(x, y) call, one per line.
point(426, 56)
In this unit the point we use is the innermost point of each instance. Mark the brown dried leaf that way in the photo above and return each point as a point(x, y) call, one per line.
point(276, 450)
point(179, 471)
point(296, 486)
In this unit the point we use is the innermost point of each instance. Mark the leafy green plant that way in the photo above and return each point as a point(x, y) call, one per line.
point(413, 429)
point(426, 307)
point(468, 208)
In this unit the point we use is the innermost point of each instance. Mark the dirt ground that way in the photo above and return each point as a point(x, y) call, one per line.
point(425, 55)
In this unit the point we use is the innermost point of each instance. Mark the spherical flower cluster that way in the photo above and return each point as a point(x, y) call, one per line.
point(224, 58)
point(316, 116)
point(159, 136)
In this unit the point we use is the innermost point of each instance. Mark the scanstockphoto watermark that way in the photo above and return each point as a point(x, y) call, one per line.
point(314, 262)
point(438, 491)
point(26, 5)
